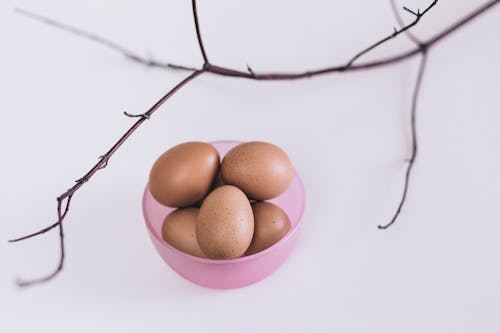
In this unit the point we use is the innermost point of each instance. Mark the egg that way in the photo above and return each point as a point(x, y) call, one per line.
point(184, 174)
point(260, 169)
point(218, 182)
point(271, 224)
point(225, 223)
point(179, 230)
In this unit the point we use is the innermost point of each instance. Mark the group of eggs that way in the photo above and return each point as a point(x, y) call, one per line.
point(222, 212)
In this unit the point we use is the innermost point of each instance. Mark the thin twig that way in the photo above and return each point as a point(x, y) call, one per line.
point(362, 66)
point(410, 160)
point(28, 283)
point(59, 220)
point(101, 40)
point(401, 23)
point(394, 34)
point(198, 35)
point(143, 115)
point(224, 71)
point(414, 142)
point(105, 159)
point(98, 166)
point(61, 215)
point(250, 70)
point(417, 14)
point(446, 32)
point(111, 151)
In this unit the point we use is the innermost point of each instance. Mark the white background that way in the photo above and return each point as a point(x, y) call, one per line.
point(62, 98)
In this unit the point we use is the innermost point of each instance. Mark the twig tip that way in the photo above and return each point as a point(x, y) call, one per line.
point(144, 115)
point(21, 283)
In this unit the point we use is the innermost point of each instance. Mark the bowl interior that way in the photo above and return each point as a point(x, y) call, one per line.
point(292, 201)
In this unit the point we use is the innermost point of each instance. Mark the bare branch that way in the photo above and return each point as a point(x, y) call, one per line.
point(98, 166)
point(362, 66)
point(29, 283)
point(198, 34)
point(59, 220)
point(101, 40)
point(414, 141)
point(223, 71)
point(401, 23)
point(396, 33)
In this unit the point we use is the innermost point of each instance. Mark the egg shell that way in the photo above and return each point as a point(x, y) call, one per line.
point(225, 223)
point(260, 169)
point(271, 224)
point(218, 182)
point(184, 174)
point(179, 230)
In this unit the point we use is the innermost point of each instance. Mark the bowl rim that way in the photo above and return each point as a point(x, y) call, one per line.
point(255, 256)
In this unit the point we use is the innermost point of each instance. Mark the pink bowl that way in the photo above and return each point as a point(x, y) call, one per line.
point(233, 273)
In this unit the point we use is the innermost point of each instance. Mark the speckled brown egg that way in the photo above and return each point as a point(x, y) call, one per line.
point(179, 230)
point(225, 223)
point(271, 224)
point(184, 174)
point(218, 182)
point(260, 169)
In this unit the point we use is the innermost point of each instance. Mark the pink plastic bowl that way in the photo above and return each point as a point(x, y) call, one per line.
point(233, 273)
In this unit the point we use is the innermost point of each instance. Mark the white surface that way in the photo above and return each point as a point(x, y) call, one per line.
point(436, 270)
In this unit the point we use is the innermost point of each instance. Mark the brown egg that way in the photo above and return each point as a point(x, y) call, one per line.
point(271, 224)
point(183, 174)
point(218, 182)
point(225, 223)
point(260, 169)
point(179, 230)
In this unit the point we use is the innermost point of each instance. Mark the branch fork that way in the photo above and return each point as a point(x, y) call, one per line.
point(207, 67)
